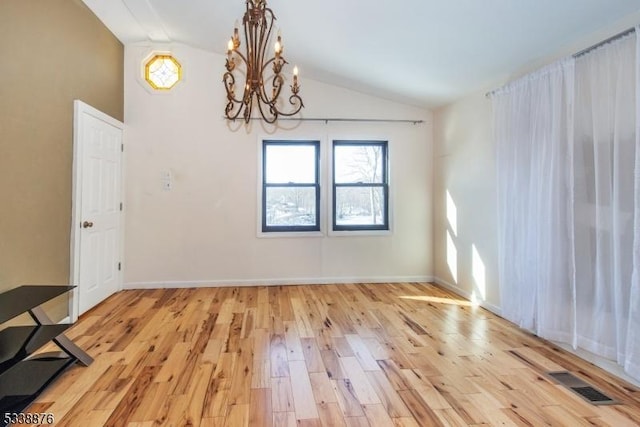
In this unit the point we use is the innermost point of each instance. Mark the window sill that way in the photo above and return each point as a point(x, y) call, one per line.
point(353, 233)
point(285, 234)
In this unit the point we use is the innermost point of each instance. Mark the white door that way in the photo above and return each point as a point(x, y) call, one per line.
point(97, 214)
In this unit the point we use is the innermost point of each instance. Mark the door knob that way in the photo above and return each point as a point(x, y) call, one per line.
point(87, 224)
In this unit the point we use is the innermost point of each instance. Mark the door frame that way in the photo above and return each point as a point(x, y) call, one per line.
point(79, 109)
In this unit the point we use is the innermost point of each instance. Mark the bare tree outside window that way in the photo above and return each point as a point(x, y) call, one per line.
point(360, 185)
point(291, 206)
point(290, 194)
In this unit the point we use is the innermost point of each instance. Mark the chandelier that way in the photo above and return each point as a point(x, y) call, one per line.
point(261, 85)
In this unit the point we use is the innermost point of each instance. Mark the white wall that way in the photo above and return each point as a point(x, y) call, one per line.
point(465, 226)
point(464, 165)
point(204, 230)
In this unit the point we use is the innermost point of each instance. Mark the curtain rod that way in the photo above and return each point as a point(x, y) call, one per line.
point(588, 49)
point(339, 119)
point(603, 42)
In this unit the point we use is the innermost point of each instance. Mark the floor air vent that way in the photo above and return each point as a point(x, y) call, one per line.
point(581, 388)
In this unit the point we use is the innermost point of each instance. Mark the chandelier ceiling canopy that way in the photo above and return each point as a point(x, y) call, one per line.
point(263, 77)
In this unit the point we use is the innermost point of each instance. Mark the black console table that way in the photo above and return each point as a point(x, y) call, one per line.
point(23, 375)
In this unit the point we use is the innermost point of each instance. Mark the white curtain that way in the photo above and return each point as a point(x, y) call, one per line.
point(632, 353)
point(532, 127)
point(604, 196)
point(569, 202)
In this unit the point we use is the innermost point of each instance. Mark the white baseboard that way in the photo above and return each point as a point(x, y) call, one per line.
point(606, 364)
point(465, 294)
point(273, 282)
point(65, 321)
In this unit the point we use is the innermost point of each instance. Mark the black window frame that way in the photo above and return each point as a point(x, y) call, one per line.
point(290, 228)
point(384, 185)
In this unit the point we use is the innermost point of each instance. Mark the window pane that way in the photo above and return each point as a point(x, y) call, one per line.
point(291, 206)
point(290, 163)
point(358, 163)
point(359, 206)
point(162, 72)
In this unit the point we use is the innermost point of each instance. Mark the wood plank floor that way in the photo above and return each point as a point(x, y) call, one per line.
point(329, 355)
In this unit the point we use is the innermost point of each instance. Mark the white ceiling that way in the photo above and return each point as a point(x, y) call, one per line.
point(422, 52)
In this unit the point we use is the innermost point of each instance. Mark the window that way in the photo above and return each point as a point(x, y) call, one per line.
point(290, 186)
point(162, 72)
point(360, 186)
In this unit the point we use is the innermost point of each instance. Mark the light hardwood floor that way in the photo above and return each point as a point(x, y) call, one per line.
point(331, 355)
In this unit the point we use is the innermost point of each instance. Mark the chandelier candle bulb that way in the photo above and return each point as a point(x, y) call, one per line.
point(263, 77)
point(235, 38)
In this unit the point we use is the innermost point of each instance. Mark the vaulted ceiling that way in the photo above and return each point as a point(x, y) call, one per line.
point(422, 52)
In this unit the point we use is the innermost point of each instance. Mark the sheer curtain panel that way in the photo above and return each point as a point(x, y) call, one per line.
point(604, 196)
point(569, 199)
point(532, 127)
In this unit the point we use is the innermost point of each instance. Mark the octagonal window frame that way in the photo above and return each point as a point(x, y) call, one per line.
point(147, 70)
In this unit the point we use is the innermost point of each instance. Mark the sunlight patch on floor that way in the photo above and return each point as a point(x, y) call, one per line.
point(439, 300)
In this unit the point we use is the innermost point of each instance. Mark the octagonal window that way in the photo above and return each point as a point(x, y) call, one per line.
point(162, 72)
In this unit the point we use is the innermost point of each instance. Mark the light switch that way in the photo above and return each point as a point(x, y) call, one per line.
point(165, 180)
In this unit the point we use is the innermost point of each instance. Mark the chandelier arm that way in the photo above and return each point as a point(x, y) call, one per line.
point(229, 81)
point(233, 104)
point(281, 64)
point(276, 85)
point(272, 110)
point(248, 108)
point(267, 25)
point(262, 93)
point(241, 56)
point(293, 100)
point(229, 110)
point(266, 64)
point(261, 43)
point(249, 38)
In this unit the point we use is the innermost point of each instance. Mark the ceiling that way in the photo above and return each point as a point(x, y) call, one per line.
point(422, 52)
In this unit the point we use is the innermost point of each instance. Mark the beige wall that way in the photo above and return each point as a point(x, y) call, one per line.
point(51, 52)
